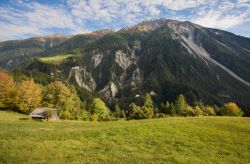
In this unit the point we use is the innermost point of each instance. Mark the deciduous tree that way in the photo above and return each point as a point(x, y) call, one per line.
point(100, 109)
point(65, 99)
point(231, 109)
point(29, 96)
point(7, 91)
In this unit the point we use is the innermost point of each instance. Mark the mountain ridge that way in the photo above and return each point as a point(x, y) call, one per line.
point(167, 57)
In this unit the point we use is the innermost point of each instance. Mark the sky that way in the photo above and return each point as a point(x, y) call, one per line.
point(20, 19)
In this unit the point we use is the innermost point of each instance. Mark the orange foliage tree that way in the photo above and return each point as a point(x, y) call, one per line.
point(29, 96)
point(231, 109)
point(7, 91)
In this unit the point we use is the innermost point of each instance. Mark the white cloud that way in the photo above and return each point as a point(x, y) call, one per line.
point(32, 18)
point(20, 18)
point(11, 31)
point(224, 15)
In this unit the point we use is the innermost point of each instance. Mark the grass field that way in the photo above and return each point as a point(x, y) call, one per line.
point(168, 140)
point(55, 59)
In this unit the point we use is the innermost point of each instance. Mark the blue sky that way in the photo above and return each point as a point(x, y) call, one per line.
point(21, 19)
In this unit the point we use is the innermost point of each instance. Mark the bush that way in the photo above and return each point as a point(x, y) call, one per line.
point(230, 109)
point(189, 111)
point(147, 112)
point(100, 109)
point(118, 113)
point(66, 115)
point(209, 111)
point(135, 112)
point(93, 117)
point(201, 109)
point(197, 111)
point(84, 116)
point(161, 115)
point(165, 108)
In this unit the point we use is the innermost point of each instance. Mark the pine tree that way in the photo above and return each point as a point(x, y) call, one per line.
point(180, 104)
point(148, 102)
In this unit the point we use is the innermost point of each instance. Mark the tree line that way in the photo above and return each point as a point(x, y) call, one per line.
point(26, 95)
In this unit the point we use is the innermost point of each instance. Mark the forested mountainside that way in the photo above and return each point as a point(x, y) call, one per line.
point(15, 52)
point(162, 57)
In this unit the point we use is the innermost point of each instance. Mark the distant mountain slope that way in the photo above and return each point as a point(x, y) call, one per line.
point(16, 51)
point(75, 42)
point(165, 57)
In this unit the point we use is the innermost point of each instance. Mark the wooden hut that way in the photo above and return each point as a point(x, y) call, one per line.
point(49, 114)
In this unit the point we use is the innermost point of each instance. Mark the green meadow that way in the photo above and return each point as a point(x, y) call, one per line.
point(55, 59)
point(166, 140)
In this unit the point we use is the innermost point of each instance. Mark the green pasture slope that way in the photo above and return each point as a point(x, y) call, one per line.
point(168, 140)
point(55, 59)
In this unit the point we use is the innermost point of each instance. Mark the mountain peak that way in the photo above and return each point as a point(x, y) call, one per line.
point(100, 33)
point(150, 25)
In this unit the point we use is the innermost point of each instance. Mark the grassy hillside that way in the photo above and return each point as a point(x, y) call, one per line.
point(55, 59)
point(174, 139)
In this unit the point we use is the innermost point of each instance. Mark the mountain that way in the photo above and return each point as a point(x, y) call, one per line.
point(75, 42)
point(164, 57)
point(17, 51)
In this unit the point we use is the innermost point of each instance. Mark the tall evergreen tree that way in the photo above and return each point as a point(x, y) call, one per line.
point(180, 104)
point(148, 102)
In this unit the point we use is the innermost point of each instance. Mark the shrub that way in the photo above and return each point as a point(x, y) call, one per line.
point(66, 115)
point(172, 109)
point(161, 115)
point(209, 111)
point(93, 117)
point(118, 113)
point(84, 116)
point(166, 108)
point(188, 111)
point(147, 112)
point(135, 112)
point(100, 109)
point(231, 109)
point(205, 110)
point(197, 111)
